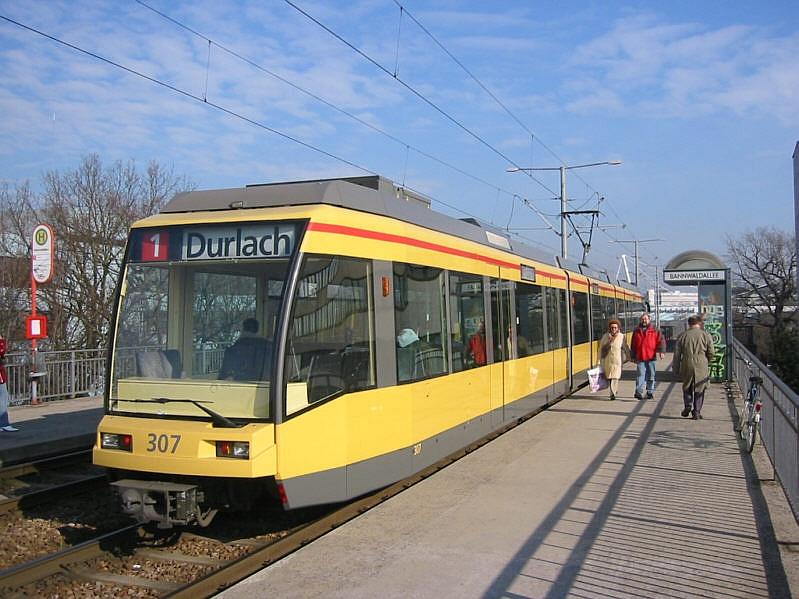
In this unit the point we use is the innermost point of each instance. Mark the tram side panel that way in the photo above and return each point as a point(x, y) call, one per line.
point(535, 372)
point(351, 443)
point(354, 443)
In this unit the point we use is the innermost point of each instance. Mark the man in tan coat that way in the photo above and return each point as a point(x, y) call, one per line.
point(692, 354)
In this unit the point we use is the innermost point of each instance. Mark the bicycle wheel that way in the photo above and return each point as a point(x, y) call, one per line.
point(751, 435)
point(743, 419)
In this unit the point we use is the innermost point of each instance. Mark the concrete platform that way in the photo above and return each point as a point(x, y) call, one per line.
point(50, 428)
point(591, 498)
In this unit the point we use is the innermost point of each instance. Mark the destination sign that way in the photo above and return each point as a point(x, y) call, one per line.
point(227, 242)
point(688, 276)
point(250, 241)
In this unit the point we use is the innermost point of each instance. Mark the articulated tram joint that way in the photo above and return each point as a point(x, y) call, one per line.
point(167, 504)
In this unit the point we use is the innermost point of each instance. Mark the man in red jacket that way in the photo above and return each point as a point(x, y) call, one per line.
point(647, 343)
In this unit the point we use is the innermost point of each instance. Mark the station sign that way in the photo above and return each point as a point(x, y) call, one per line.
point(692, 277)
point(42, 254)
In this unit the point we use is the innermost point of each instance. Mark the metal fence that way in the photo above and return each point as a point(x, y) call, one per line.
point(82, 372)
point(779, 423)
point(70, 374)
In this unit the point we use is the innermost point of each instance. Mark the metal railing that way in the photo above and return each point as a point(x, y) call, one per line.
point(78, 373)
point(71, 373)
point(779, 424)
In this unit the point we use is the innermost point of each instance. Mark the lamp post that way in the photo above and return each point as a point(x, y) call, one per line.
point(636, 242)
point(564, 248)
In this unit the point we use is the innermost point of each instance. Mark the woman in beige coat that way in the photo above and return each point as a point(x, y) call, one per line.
point(613, 352)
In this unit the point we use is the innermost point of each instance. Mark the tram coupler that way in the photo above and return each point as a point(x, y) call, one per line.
point(167, 504)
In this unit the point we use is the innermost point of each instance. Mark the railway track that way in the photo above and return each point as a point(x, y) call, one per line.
point(42, 481)
point(46, 464)
point(181, 564)
point(262, 557)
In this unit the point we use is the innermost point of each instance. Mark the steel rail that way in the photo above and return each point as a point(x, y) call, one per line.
point(57, 563)
point(49, 463)
point(52, 493)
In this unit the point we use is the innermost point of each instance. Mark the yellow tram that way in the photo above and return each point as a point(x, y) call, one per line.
point(316, 340)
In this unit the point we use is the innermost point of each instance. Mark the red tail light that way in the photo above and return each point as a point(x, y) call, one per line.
point(281, 491)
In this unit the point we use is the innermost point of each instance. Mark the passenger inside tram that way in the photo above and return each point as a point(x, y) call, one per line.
point(248, 359)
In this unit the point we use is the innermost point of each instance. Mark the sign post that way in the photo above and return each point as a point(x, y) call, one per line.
point(41, 272)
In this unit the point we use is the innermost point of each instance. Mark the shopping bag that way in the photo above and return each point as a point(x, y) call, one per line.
point(596, 379)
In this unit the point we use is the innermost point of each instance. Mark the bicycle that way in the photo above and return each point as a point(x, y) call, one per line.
point(749, 417)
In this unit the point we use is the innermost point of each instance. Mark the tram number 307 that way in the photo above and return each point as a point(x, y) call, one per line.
point(162, 443)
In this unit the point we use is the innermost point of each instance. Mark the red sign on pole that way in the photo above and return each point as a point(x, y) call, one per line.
point(36, 327)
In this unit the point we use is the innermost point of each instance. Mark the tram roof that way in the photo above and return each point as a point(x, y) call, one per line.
point(372, 194)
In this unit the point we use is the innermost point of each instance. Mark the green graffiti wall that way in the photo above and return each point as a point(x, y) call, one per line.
point(711, 306)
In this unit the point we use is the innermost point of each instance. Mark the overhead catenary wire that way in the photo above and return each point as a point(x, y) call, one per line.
point(219, 107)
point(485, 88)
point(203, 96)
point(333, 106)
point(413, 90)
point(186, 94)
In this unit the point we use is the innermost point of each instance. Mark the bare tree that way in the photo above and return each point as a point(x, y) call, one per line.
point(764, 263)
point(15, 265)
point(90, 210)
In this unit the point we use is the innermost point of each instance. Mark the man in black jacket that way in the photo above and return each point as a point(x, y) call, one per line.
point(249, 358)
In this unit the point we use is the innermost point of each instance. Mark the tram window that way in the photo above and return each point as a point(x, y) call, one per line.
point(556, 318)
point(580, 315)
point(601, 313)
point(607, 311)
point(331, 338)
point(177, 322)
point(616, 311)
point(420, 321)
point(529, 319)
point(467, 329)
point(613, 310)
point(142, 324)
point(627, 317)
point(220, 304)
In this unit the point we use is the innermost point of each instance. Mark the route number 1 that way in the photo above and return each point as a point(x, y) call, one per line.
point(155, 247)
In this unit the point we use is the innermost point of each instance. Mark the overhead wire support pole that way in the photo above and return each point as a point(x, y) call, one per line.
point(635, 242)
point(564, 203)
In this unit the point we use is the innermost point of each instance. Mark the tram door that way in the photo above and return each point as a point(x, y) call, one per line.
point(558, 338)
point(501, 317)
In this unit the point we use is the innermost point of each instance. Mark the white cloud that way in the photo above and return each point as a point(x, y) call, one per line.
point(684, 69)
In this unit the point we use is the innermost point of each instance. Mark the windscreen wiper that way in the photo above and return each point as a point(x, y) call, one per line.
point(216, 418)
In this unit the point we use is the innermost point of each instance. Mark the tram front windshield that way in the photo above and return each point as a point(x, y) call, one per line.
point(196, 337)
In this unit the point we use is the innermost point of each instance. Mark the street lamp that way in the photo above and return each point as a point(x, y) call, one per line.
point(563, 201)
point(636, 242)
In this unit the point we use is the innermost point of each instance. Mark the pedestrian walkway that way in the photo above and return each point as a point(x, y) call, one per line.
point(591, 498)
point(50, 428)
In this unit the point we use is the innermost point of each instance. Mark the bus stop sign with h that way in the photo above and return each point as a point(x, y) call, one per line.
point(42, 247)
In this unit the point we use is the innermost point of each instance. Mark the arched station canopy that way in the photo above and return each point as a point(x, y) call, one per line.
point(695, 260)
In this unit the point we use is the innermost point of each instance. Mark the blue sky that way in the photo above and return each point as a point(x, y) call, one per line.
point(700, 100)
